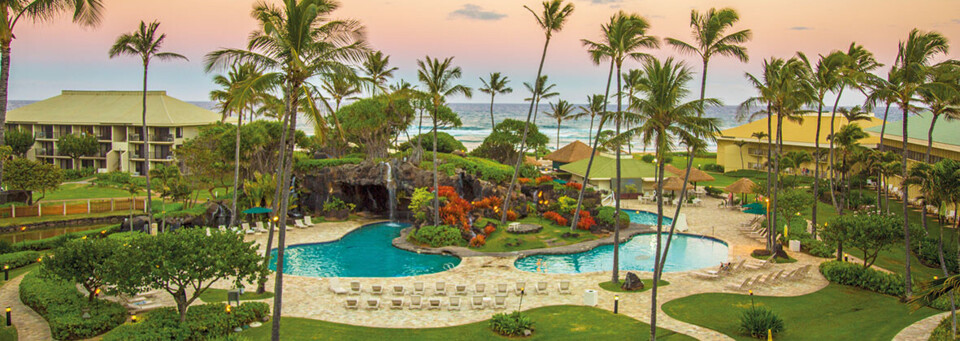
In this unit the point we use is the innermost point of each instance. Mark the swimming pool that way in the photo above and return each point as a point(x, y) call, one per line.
point(364, 252)
point(687, 252)
point(646, 218)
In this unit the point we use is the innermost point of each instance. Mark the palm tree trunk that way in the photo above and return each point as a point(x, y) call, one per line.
point(772, 235)
point(523, 140)
point(616, 214)
point(284, 206)
point(908, 280)
point(816, 168)
point(883, 130)
point(593, 153)
point(656, 277)
point(769, 170)
point(703, 85)
point(558, 134)
point(4, 88)
point(833, 118)
point(236, 170)
point(493, 123)
point(933, 123)
point(146, 148)
point(676, 215)
point(281, 153)
point(436, 173)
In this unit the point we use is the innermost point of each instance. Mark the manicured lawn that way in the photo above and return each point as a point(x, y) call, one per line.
point(550, 323)
point(834, 313)
point(213, 295)
point(498, 240)
point(84, 191)
point(18, 271)
point(647, 285)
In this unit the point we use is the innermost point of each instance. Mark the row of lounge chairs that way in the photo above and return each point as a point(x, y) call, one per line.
point(259, 227)
point(417, 302)
point(772, 278)
point(440, 289)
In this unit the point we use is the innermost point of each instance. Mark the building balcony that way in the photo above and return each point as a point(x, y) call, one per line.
point(42, 135)
point(161, 138)
point(105, 137)
point(135, 138)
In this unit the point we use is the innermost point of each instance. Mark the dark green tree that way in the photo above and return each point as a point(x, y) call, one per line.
point(76, 146)
point(85, 261)
point(20, 141)
point(503, 143)
point(27, 175)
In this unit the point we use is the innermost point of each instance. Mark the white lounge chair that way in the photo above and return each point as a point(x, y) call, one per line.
point(460, 289)
point(352, 303)
point(479, 288)
point(707, 275)
point(336, 288)
point(355, 288)
point(309, 220)
point(261, 227)
point(477, 302)
point(418, 288)
point(373, 304)
point(299, 223)
point(772, 277)
point(500, 302)
point(441, 289)
point(762, 265)
point(564, 287)
point(416, 302)
point(398, 290)
point(376, 289)
point(454, 303)
point(433, 304)
point(502, 289)
point(396, 303)
point(743, 286)
point(541, 288)
point(519, 288)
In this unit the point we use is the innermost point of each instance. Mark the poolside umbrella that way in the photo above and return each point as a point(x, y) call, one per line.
point(757, 211)
point(257, 210)
point(674, 184)
point(742, 186)
point(696, 175)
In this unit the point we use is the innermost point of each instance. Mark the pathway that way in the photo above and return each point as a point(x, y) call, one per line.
point(920, 330)
point(30, 325)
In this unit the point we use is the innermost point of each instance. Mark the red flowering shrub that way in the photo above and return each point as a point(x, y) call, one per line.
point(544, 179)
point(489, 206)
point(454, 211)
point(511, 215)
point(555, 217)
point(523, 181)
point(574, 185)
point(489, 229)
point(586, 221)
point(478, 241)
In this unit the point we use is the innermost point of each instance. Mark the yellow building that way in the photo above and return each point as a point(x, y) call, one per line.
point(946, 142)
point(115, 117)
point(737, 148)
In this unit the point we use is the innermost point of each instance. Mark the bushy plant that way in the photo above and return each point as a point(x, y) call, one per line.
point(204, 322)
point(757, 320)
point(60, 303)
point(420, 203)
point(488, 206)
point(76, 174)
point(454, 210)
point(512, 216)
point(566, 205)
point(943, 331)
point(574, 185)
point(478, 240)
point(335, 204)
point(867, 279)
point(308, 165)
point(437, 236)
point(489, 229)
point(631, 188)
point(925, 247)
point(53, 242)
point(512, 324)
point(19, 259)
point(555, 217)
point(713, 191)
point(605, 217)
point(586, 221)
point(543, 179)
point(648, 158)
point(524, 181)
point(713, 167)
point(446, 143)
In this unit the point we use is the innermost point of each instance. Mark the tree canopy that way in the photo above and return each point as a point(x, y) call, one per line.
point(20, 141)
point(77, 145)
point(502, 143)
point(27, 175)
point(84, 261)
point(446, 143)
point(869, 233)
point(374, 122)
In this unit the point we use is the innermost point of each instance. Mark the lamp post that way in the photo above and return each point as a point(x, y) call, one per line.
point(133, 319)
point(616, 304)
point(9, 319)
point(519, 307)
point(6, 272)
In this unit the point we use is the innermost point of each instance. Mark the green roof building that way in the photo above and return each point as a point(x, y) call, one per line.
point(604, 172)
point(946, 137)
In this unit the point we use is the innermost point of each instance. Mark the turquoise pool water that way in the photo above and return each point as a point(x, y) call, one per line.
point(365, 252)
point(687, 252)
point(646, 218)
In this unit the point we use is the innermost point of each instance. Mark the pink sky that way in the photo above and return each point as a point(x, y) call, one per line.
point(50, 57)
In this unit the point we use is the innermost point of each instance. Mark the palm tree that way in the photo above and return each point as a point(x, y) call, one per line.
point(241, 88)
point(85, 12)
point(795, 160)
point(543, 90)
point(623, 37)
point(438, 77)
point(496, 84)
point(146, 44)
point(824, 78)
point(553, 16)
point(377, 68)
point(562, 111)
point(297, 39)
point(760, 135)
point(662, 115)
point(340, 84)
point(740, 145)
point(594, 107)
point(911, 69)
point(942, 97)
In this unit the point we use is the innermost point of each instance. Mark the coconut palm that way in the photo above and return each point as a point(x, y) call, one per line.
point(942, 98)
point(376, 67)
point(912, 68)
point(85, 12)
point(662, 114)
point(493, 85)
point(438, 78)
point(622, 38)
point(795, 159)
point(543, 90)
point(561, 111)
point(296, 38)
point(594, 107)
point(146, 44)
point(551, 20)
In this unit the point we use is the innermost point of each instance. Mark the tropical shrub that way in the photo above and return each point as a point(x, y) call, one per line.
point(586, 221)
point(865, 278)
point(713, 167)
point(566, 205)
point(523, 181)
point(574, 185)
point(512, 324)
point(437, 236)
point(925, 247)
point(335, 204)
point(19, 259)
point(307, 165)
point(455, 209)
point(420, 203)
point(489, 229)
point(204, 322)
point(648, 158)
point(543, 179)
point(53, 242)
point(489, 206)
point(511, 215)
point(756, 321)
point(630, 188)
point(60, 303)
point(486, 169)
point(944, 331)
point(446, 143)
point(555, 217)
point(605, 217)
point(76, 174)
point(478, 240)
point(713, 191)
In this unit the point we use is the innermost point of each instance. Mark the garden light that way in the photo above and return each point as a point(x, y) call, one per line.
point(133, 319)
point(616, 303)
point(9, 320)
point(228, 309)
point(6, 272)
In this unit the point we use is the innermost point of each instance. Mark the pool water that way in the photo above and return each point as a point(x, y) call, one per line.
point(364, 252)
point(687, 252)
point(646, 218)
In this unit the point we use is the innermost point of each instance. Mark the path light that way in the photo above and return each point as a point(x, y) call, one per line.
point(9, 319)
point(522, 291)
point(96, 292)
point(751, 299)
point(6, 272)
point(616, 303)
point(133, 319)
point(228, 309)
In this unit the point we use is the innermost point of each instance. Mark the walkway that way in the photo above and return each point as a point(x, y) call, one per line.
point(30, 325)
point(921, 329)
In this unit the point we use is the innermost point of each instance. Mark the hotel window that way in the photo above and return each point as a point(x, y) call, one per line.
point(179, 132)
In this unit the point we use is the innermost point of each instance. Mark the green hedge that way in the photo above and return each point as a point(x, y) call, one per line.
point(19, 259)
point(868, 279)
point(204, 322)
point(486, 169)
point(605, 217)
point(60, 303)
point(437, 236)
point(306, 165)
point(52, 242)
point(446, 143)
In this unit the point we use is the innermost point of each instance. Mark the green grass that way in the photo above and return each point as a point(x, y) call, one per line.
point(30, 220)
point(498, 240)
point(550, 323)
point(18, 271)
point(834, 313)
point(213, 295)
point(84, 191)
point(16, 237)
point(778, 260)
point(647, 285)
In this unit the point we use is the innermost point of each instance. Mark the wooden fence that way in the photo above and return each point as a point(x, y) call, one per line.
point(66, 208)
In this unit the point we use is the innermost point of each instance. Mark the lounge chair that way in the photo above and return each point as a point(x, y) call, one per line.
point(743, 286)
point(697, 202)
point(336, 288)
point(355, 288)
point(460, 289)
point(299, 223)
point(454, 303)
point(416, 302)
point(707, 275)
point(773, 277)
point(479, 288)
point(477, 302)
point(418, 288)
point(501, 289)
point(396, 303)
point(564, 287)
point(376, 289)
point(433, 303)
point(441, 289)
point(373, 304)
point(762, 265)
point(500, 302)
point(541, 288)
point(738, 267)
point(398, 290)
point(261, 227)
point(309, 220)
point(519, 288)
point(787, 276)
point(352, 303)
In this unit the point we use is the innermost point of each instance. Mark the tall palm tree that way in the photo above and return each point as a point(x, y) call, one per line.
point(911, 69)
point(376, 66)
point(340, 84)
point(760, 135)
point(85, 12)
point(740, 145)
point(562, 111)
point(493, 85)
point(552, 18)
point(594, 107)
point(242, 88)
point(882, 91)
point(297, 39)
point(542, 90)
point(622, 38)
point(438, 78)
point(942, 98)
point(146, 44)
point(662, 114)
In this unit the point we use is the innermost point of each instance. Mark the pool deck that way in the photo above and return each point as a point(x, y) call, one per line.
point(309, 297)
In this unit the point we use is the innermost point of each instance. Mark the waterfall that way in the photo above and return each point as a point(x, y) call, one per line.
point(392, 190)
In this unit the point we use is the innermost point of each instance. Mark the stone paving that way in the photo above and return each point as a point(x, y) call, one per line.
point(922, 329)
point(30, 325)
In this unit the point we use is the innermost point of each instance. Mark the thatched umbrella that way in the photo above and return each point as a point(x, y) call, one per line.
point(674, 184)
point(696, 175)
point(742, 186)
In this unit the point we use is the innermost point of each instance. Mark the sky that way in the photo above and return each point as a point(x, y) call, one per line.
point(483, 36)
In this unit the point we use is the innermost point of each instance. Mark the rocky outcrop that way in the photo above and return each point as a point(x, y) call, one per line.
point(632, 282)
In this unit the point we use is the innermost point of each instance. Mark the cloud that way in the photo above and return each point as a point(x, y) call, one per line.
point(955, 21)
point(471, 11)
point(801, 28)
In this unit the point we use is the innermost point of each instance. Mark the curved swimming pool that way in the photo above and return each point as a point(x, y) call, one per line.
point(365, 252)
point(646, 218)
point(687, 252)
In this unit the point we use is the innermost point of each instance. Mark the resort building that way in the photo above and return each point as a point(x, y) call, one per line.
point(572, 152)
point(738, 148)
point(946, 141)
point(115, 118)
point(604, 172)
